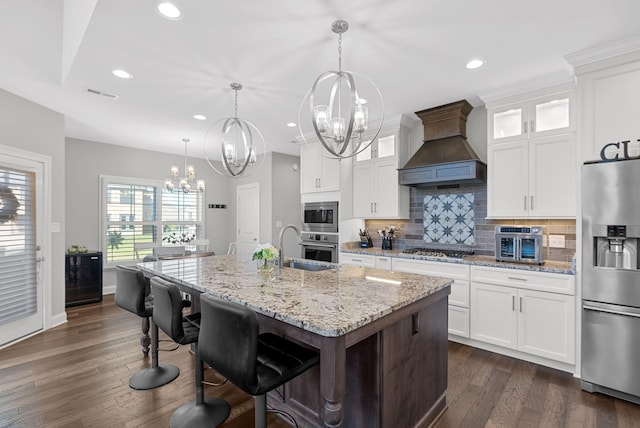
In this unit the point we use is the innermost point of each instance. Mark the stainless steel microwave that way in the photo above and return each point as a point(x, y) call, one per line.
point(521, 244)
point(320, 217)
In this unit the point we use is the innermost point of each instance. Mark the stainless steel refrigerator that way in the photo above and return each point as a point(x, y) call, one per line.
point(611, 279)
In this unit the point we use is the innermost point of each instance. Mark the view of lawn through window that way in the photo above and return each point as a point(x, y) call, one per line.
point(136, 212)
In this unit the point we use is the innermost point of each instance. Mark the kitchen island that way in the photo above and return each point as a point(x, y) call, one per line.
point(382, 335)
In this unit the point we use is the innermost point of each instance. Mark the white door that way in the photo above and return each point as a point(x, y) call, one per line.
point(248, 218)
point(21, 225)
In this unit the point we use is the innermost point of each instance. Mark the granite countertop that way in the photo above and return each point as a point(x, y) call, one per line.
point(478, 260)
point(331, 302)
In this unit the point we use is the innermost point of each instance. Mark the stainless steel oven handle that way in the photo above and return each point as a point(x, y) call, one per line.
point(313, 244)
point(610, 311)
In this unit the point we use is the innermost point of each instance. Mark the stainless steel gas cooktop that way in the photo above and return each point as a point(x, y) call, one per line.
point(435, 252)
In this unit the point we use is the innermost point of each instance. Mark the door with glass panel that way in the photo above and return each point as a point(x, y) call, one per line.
point(21, 214)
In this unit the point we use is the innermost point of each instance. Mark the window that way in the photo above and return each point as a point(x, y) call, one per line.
point(135, 210)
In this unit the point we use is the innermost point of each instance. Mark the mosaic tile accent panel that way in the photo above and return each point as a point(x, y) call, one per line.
point(449, 218)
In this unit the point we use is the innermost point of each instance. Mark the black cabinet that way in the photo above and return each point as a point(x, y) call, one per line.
point(83, 278)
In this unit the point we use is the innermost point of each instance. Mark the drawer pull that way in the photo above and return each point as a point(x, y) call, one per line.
point(517, 279)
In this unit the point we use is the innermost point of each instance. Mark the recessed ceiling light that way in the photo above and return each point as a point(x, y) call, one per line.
point(121, 74)
point(475, 63)
point(200, 117)
point(292, 124)
point(168, 10)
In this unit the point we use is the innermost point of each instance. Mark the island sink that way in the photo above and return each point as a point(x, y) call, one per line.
point(299, 264)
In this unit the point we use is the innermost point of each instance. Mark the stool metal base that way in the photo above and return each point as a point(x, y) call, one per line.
point(154, 377)
point(212, 413)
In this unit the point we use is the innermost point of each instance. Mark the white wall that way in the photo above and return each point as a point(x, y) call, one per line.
point(286, 201)
point(31, 127)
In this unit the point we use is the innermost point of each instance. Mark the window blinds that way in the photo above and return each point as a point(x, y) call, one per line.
point(18, 271)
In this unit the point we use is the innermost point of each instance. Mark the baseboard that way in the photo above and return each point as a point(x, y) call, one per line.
point(109, 289)
point(56, 320)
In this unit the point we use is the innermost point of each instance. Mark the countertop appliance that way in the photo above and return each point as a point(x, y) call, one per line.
point(322, 247)
point(611, 279)
point(320, 217)
point(519, 244)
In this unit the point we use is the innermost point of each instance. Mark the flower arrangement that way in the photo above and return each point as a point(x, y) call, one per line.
point(265, 252)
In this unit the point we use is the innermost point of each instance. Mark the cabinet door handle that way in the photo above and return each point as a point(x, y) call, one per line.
point(524, 127)
point(371, 207)
point(531, 204)
point(525, 202)
point(521, 304)
point(533, 126)
point(513, 303)
point(375, 207)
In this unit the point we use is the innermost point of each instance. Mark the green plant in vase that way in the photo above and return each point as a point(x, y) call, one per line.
point(265, 254)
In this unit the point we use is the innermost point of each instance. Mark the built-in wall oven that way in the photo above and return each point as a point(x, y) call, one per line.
point(320, 217)
point(320, 246)
point(320, 239)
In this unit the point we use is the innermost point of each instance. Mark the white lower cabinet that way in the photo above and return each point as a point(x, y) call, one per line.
point(363, 260)
point(509, 310)
point(383, 262)
point(366, 260)
point(459, 297)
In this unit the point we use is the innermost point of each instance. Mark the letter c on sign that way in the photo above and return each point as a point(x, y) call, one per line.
point(603, 155)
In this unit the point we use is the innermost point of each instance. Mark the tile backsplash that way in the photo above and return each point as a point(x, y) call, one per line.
point(449, 218)
point(412, 231)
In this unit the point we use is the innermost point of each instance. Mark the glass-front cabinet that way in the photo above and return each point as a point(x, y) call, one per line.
point(384, 147)
point(531, 153)
point(536, 118)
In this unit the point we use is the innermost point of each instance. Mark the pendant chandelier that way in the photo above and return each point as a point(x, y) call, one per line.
point(238, 142)
point(339, 113)
point(187, 179)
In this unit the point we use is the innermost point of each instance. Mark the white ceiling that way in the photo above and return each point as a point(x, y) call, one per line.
point(415, 51)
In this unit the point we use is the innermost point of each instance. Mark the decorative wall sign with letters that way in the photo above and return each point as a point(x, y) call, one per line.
point(614, 155)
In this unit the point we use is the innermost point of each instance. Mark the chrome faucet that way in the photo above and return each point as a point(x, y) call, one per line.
point(281, 254)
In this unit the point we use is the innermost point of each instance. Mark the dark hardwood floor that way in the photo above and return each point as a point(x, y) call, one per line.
point(76, 375)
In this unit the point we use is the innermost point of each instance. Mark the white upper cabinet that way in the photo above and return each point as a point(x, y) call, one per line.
point(376, 192)
point(532, 157)
point(318, 171)
point(538, 117)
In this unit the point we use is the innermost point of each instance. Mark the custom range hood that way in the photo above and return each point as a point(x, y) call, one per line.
point(445, 157)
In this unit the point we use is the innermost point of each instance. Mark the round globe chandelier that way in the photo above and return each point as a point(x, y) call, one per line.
point(187, 179)
point(238, 142)
point(339, 108)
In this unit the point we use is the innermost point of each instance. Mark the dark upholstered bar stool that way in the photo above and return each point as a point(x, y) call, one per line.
point(167, 315)
point(131, 296)
point(256, 363)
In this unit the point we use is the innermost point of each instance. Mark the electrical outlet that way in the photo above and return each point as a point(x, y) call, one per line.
point(556, 241)
point(278, 223)
point(544, 240)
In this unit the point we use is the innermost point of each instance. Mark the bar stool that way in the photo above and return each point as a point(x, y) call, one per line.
point(167, 315)
point(256, 363)
point(131, 295)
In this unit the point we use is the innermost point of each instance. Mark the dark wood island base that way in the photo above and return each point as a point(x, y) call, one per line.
point(389, 373)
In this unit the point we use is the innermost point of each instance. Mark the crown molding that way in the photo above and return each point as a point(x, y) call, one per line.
point(606, 55)
point(560, 81)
